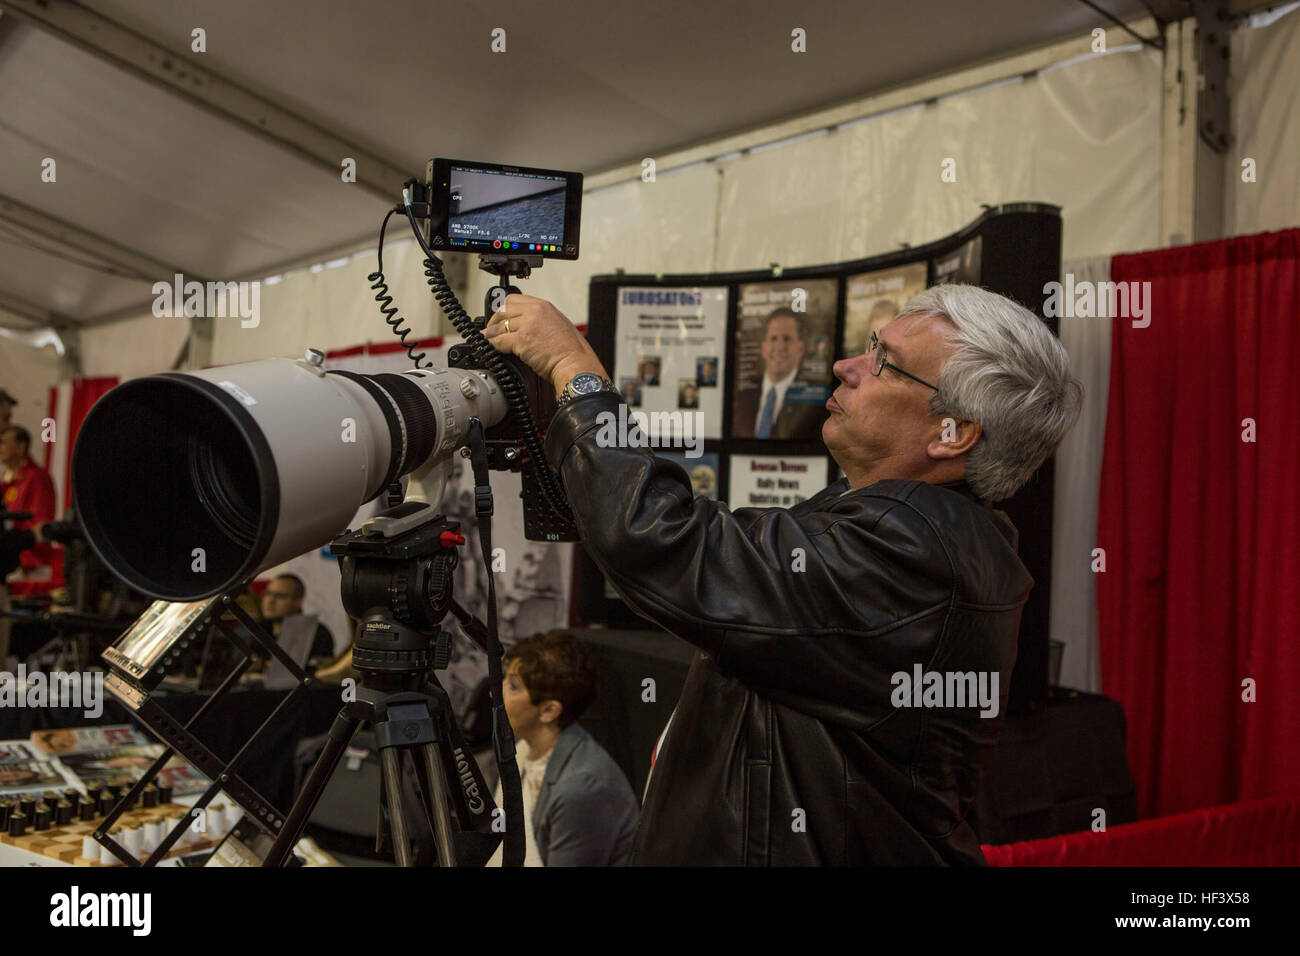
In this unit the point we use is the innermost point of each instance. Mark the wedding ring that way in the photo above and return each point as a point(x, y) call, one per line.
point(507, 325)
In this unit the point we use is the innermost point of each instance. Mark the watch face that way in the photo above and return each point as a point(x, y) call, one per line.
point(586, 383)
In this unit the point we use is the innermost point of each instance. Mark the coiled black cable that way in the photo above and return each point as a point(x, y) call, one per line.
point(483, 351)
point(380, 284)
point(506, 378)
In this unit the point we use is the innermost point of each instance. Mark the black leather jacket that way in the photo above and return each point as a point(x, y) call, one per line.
point(785, 748)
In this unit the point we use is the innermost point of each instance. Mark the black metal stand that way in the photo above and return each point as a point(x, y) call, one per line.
point(178, 738)
point(409, 726)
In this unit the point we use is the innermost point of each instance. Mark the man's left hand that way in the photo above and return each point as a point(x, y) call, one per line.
point(541, 336)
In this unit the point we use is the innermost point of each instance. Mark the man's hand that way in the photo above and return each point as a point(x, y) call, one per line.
point(543, 339)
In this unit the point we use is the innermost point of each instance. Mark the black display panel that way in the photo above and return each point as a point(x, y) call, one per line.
point(487, 208)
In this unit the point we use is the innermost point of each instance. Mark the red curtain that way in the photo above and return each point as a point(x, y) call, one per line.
point(83, 393)
point(1201, 527)
point(1255, 833)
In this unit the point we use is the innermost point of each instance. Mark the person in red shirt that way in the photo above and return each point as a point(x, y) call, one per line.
point(26, 487)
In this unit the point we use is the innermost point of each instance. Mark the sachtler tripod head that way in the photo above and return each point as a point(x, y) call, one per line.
point(400, 589)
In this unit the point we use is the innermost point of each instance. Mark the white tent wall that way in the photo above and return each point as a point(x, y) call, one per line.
point(133, 347)
point(332, 307)
point(1084, 135)
point(1264, 92)
point(1078, 477)
point(27, 373)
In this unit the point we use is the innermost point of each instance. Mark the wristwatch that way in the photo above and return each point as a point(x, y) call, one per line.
point(584, 383)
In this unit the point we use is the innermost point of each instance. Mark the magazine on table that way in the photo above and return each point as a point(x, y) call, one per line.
point(96, 765)
point(19, 777)
point(74, 740)
point(16, 751)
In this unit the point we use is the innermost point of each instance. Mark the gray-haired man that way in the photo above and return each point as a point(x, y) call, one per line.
point(855, 650)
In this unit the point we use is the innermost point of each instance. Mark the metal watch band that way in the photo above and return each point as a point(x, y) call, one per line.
point(568, 394)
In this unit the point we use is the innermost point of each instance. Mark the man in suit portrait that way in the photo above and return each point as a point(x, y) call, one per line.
point(765, 412)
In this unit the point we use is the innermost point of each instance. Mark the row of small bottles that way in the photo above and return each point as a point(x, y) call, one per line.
point(17, 816)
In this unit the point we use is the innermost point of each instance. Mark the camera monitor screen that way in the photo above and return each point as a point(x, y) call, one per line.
point(491, 209)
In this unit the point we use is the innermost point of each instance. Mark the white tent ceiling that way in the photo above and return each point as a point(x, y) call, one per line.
point(152, 181)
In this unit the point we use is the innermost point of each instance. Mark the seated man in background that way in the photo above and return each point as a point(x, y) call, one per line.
point(281, 600)
point(579, 809)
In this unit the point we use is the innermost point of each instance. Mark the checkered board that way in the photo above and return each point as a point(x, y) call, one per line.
point(64, 843)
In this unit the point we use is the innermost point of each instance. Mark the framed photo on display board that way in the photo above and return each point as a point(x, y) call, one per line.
point(785, 346)
point(872, 299)
point(669, 351)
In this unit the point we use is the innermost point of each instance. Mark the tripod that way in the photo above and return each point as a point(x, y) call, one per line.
point(399, 569)
point(412, 724)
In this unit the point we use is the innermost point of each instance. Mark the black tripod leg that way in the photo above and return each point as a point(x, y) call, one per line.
point(382, 836)
point(341, 732)
point(396, 813)
point(439, 812)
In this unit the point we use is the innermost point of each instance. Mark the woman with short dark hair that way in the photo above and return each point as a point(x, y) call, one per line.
point(579, 809)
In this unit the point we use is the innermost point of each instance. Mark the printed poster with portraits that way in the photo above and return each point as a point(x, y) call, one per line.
point(670, 350)
point(774, 481)
point(784, 352)
point(872, 299)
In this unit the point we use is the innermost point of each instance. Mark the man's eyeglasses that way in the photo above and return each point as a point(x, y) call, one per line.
point(880, 362)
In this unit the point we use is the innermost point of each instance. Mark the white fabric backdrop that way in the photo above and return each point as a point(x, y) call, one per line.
point(332, 307)
point(27, 374)
point(133, 347)
point(1264, 87)
point(1084, 135)
point(1078, 471)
